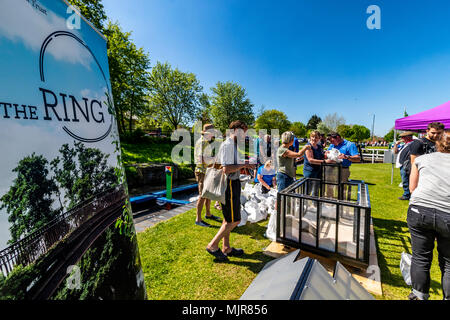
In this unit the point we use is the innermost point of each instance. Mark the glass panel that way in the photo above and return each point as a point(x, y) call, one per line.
point(347, 286)
point(319, 285)
point(309, 221)
point(331, 174)
point(327, 227)
point(362, 233)
point(292, 218)
point(350, 192)
point(331, 191)
point(346, 231)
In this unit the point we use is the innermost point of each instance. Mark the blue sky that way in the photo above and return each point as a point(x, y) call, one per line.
point(304, 57)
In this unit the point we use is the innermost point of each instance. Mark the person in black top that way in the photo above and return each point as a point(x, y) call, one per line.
point(427, 144)
point(403, 152)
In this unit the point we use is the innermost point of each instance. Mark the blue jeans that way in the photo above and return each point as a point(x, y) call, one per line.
point(314, 184)
point(405, 182)
point(283, 181)
point(427, 225)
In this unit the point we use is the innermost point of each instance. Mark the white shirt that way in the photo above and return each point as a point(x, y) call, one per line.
point(227, 155)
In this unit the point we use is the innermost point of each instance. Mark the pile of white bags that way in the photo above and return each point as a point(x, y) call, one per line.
point(256, 206)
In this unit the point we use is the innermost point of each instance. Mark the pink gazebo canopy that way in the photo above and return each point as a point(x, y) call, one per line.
point(420, 121)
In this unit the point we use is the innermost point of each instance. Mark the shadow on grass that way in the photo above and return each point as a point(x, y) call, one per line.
point(254, 230)
point(248, 261)
point(395, 240)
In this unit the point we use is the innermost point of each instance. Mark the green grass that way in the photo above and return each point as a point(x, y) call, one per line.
point(146, 152)
point(176, 265)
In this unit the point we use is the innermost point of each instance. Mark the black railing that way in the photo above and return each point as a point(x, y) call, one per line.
point(326, 217)
point(37, 244)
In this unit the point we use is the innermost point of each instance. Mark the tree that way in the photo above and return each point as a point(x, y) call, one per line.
point(333, 121)
point(229, 103)
point(322, 128)
point(298, 128)
point(82, 172)
point(92, 10)
point(273, 119)
point(205, 109)
point(174, 95)
point(29, 200)
point(313, 122)
point(360, 133)
point(345, 131)
point(128, 67)
point(389, 137)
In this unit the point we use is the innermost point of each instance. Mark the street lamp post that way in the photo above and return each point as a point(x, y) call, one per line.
point(373, 124)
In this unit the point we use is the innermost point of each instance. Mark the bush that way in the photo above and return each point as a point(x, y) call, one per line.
point(139, 136)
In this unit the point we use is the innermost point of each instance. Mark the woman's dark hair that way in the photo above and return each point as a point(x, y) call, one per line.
point(238, 124)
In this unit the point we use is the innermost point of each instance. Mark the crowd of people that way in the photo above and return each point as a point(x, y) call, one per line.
point(274, 167)
point(425, 170)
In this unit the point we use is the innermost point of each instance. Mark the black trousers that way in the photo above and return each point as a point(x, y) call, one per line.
point(427, 225)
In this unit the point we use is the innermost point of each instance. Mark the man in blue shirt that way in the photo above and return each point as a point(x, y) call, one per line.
point(349, 153)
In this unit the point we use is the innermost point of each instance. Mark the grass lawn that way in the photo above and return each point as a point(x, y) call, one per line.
point(176, 265)
point(146, 152)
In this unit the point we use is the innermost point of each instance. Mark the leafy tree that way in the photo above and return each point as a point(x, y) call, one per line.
point(82, 172)
point(298, 128)
point(389, 137)
point(322, 127)
point(29, 200)
point(313, 122)
point(174, 95)
point(128, 67)
point(205, 109)
point(229, 103)
point(333, 121)
point(92, 10)
point(273, 119)
point(345, 131)
point(360, 133)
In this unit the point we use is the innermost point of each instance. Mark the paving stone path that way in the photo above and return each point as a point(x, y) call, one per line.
point(142, 222)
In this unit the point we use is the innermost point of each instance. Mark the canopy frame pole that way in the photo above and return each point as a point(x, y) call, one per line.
point(393, 158)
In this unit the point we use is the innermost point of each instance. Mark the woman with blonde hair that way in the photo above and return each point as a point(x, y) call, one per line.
point(266, 175)
point(286, 166)
point(429, 218)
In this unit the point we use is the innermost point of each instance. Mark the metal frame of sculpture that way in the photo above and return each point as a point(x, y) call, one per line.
point(327, 217)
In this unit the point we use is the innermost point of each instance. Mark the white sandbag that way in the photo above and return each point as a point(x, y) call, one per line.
point(273, 192)
point(248, 190)
point(334, 155)
point(244, 217)
point(270, 202)
point(193, 199)
point(254, 214)
point(271, 231)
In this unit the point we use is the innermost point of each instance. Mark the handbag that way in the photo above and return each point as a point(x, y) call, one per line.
point(215, 184)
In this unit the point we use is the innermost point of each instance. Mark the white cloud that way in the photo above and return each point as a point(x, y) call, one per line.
point(21, 22)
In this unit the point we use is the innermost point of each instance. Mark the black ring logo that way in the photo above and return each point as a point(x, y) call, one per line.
point(46, 42)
